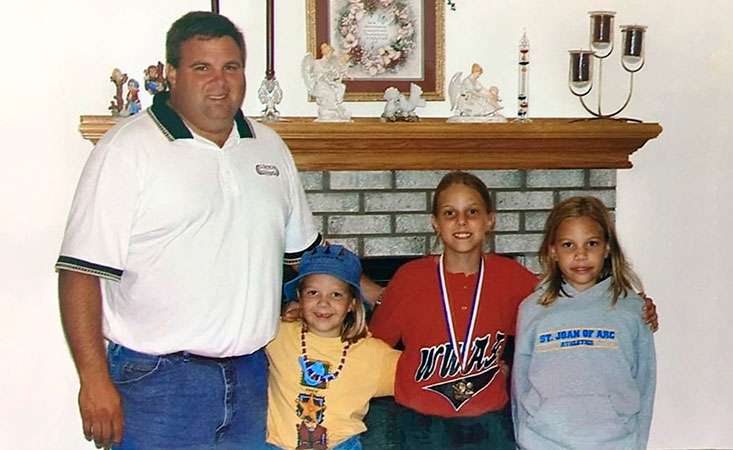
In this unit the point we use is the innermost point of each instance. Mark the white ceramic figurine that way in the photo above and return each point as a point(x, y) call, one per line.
point(471, 101)
point(323, 79)
point(400, 107)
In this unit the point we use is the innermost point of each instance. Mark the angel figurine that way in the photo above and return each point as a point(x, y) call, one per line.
point(400, 107)
point(323, 80)
point(270, 95)
point(471, 100)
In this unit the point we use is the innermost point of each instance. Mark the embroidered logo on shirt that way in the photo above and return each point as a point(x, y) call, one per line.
point(267, 169)
point(601, 338)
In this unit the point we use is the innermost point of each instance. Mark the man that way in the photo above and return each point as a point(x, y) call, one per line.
point(173, 254)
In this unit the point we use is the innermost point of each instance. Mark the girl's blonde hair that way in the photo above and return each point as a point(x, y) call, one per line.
point(615, 265)
point(354, 326)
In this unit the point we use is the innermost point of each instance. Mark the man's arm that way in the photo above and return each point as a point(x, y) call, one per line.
point(80, 300)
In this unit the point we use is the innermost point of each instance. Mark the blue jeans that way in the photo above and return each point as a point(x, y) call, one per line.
point(187, 402)
point(352, 443)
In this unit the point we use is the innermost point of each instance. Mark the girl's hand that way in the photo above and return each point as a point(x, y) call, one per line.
point(504, 367)
point(291, 312)
point(371, 290)
point(650, 312)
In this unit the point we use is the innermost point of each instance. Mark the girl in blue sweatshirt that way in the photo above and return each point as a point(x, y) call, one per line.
point(584, 369)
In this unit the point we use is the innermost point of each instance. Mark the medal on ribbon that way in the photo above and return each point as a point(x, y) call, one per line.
point(461, 390)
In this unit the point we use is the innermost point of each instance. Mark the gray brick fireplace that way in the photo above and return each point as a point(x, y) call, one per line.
point(387, 213)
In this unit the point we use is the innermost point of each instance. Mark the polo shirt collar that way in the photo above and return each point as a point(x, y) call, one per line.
point(173, 127)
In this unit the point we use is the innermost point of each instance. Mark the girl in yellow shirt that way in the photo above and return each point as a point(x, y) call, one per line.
point(325, 367)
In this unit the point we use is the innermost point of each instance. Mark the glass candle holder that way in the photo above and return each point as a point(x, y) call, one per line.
point(633, 44)
point(580, 75)
point(601, 32)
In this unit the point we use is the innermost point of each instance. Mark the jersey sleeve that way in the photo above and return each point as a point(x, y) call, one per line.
point(386, 323)
point(301, 234)
point(524, 283)
point(98, 229)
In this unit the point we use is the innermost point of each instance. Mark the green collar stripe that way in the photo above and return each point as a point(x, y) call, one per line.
point(172, 126)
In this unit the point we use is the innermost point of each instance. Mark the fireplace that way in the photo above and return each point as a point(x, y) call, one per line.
point(370, 183)
point(387, 213)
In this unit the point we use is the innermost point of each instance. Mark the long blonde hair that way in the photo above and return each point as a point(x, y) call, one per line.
point(355, 325)
point(615, 265)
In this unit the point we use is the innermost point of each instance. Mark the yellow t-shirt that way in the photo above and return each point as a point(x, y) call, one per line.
point(327, 415)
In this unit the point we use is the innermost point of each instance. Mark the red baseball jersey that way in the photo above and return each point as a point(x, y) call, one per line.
point(429, 376)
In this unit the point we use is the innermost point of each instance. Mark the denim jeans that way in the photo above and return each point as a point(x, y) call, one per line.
point(352, 443)
point(187, 402)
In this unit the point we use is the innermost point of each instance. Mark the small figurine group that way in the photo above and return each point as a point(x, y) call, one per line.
point(323, 77)
point(155, 79)
point(471, 101)
point(400, 108)
point(130, 104)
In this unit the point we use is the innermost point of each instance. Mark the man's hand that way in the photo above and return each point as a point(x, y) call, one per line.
point(650, 312)
point(80, 301)
point(101, 413)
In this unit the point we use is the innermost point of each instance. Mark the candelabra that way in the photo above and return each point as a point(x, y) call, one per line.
point(601, 46)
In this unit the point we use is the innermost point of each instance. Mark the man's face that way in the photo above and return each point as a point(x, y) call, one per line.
point(208, 86)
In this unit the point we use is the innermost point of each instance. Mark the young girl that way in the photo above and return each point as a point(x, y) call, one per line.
point(584, 366)
point(454, 314)
point(325, 368)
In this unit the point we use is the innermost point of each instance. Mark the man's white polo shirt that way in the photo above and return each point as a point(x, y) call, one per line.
point(187, 238)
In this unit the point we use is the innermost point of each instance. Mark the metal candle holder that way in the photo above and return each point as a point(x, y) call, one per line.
point(580, 75)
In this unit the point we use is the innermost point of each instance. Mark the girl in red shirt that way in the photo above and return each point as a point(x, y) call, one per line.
point(454, 313)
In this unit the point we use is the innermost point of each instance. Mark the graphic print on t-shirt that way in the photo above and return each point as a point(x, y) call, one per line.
point(311, 434)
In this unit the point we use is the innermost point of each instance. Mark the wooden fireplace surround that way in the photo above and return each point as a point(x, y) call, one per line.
point(431, 144)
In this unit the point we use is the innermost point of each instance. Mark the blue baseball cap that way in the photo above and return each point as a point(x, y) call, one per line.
point(334, 260)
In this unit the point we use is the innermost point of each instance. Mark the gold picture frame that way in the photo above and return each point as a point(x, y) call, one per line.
point(421, 61)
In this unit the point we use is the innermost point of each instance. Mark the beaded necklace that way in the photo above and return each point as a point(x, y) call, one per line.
point(315, 372)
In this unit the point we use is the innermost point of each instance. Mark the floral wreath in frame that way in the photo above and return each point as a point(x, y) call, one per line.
point(386, 58)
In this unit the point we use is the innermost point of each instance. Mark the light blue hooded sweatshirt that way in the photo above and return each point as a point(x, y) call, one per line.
point(584, 372)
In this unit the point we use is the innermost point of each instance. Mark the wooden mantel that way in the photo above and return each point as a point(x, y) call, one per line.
point(369, 144)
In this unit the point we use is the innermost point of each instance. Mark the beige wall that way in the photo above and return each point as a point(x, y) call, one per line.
point(674, 210)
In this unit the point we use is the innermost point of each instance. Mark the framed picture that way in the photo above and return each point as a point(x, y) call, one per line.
point(389, 43)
